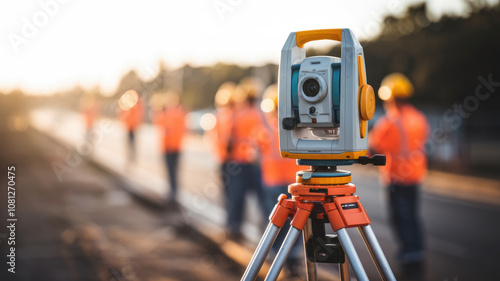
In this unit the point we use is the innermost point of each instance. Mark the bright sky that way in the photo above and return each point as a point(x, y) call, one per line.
point(49, 45)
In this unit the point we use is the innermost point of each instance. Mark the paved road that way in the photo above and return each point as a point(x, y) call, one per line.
point(87, 227)
point(462, 236)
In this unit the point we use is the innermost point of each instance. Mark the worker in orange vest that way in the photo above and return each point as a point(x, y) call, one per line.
point(90, 110)
point(224, 104)
point(132, 115)
point(171, 122)
point(277, 174)
point(243, 151)
point(401, 135)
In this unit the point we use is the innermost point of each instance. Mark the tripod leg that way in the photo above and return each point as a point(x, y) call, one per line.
point(312, 274)
point(283, 253)
point(258, 258)
point(376, 253)
point(344, 271)
point(349, 250)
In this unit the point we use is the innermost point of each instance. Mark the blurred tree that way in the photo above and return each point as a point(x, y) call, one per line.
point(442, 58)
point(129, 81)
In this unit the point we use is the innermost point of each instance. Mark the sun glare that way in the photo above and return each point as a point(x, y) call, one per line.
point(267, 105)
point(128, 100)
point(384, 93)
point(208, 121)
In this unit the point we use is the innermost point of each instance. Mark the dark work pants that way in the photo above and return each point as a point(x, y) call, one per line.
point(243, 179)
point(403, 203)
point(172, 161)
point(131, 145)
point(224, 178)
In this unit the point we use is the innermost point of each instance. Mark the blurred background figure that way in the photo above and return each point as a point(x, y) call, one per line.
point(277, 174)
point(90, 110)
point(131, 114)
point(224, 105)
point(171, 121)
point(401, 134)
point(244, 176)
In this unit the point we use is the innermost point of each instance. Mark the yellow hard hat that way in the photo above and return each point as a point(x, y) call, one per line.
point(157, 101)
point(172, 98)
point(269, 101)
point(248, 88)
point(225, 94)
point(395, 85)
point(88, 100)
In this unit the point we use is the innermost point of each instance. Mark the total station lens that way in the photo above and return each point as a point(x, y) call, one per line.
point(311, 87)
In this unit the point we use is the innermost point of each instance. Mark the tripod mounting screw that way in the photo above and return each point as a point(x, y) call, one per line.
point(375, 160)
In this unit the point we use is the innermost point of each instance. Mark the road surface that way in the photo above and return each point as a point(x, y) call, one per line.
point(86, 227)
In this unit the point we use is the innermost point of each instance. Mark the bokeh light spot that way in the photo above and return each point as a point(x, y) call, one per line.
point(128, 100)
point(384, 93)
point(208, 121)
point(267, 105)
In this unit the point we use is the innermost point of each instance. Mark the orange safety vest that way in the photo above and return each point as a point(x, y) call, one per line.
point(132, 118)
point(401, 136)
point(172, 124)
point(222, 132)
point(90, 115)
point(246, 131)
point(276, 170)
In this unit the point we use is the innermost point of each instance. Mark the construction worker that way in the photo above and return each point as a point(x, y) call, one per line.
point(401, 134)
point(132, 114)
point(244, 174)
point(224, 104)
point(277, 174)
point(172, 125)
point(90, 111)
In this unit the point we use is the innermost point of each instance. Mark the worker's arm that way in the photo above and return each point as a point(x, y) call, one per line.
point(384, 137)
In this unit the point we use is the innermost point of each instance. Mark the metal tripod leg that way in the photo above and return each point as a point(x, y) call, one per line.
point(376, 253)
point(311, 271)
point(344, 271)
point(283, 253)
point(260, 254)
point(349, 250)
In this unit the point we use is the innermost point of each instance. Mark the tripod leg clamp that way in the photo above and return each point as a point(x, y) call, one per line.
point(302, 214)
point(346, 212)
point(281, 211)
point(334, 216)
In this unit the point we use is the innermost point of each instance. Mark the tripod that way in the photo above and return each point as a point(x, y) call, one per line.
point(321, 195)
